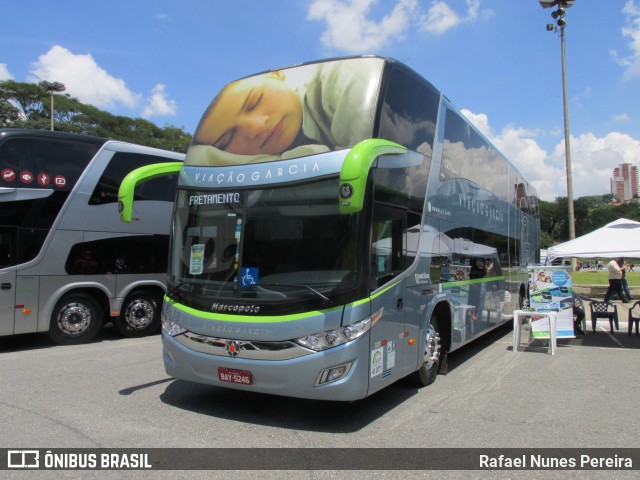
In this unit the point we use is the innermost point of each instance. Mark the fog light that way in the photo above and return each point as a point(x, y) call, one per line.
point(332, 374)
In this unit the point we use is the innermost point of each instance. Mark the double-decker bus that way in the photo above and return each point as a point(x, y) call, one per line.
point(67, 264)
point(338, 225)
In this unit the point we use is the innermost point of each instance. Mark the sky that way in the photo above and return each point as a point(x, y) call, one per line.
point(164, 60)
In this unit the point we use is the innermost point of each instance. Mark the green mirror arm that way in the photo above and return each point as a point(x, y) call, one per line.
point(139, 175)
point(355, 170)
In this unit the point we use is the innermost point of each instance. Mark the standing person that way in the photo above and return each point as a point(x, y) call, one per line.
point(615, 280)
point(578, 317)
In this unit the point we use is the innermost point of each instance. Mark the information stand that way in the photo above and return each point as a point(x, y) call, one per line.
point(551, 290)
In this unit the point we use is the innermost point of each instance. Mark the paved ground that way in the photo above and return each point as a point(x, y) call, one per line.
point(114, 393)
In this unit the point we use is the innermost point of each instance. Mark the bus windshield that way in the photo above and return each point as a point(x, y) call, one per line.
point(288, 248)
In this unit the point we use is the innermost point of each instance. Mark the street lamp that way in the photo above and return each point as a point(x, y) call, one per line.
point(52, 87)
point(560, 22)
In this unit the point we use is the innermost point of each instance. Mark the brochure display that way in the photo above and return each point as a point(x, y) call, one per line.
point(551, 290)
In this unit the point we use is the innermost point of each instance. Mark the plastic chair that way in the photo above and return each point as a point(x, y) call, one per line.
point(578, 303)
point(604, 310)
point(634, 319)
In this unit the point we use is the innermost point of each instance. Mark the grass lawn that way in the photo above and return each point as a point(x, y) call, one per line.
point(601, 277)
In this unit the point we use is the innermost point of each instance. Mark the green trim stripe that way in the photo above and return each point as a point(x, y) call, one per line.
point(471, 282)
point(384, 290)
point(240, 318)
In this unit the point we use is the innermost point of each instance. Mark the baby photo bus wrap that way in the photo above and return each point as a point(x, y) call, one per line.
point(338, 226)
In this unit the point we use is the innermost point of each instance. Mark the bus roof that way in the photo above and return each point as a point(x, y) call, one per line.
point(26, 132)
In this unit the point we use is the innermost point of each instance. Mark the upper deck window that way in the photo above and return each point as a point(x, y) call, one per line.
point(409, 112)
point(466, 155)
point(30, 162)
point(121, 164)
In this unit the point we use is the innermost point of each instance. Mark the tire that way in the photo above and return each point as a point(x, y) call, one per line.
point(426, 374)
point(140, 314)
point(76, 318)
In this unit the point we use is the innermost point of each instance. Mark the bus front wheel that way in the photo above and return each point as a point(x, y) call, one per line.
point(140, 314)
point(432, 357)
point(76, 319)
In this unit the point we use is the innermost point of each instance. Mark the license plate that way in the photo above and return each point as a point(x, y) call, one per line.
point(235, 376)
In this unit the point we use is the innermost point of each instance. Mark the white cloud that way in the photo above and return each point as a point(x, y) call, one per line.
point(350, 30)
point(90, 83)
point(520, 146)
point(623, 117)
point(592, 158)
point(158, 104)
point(441, 18)
point(83, 78)
point(630, 30)
point(480, 120)
point(4, 72)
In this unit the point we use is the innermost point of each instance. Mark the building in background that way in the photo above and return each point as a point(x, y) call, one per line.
point(624, 183)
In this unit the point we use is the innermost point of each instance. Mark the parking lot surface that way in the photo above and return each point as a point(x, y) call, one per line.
point(114, 393)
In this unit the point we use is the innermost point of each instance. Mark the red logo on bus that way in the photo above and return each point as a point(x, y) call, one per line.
point(44, 179)
point(59, 181)
point(26, 176)
point(8, 175)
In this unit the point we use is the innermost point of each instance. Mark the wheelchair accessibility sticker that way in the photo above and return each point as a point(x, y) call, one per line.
point(249, 277)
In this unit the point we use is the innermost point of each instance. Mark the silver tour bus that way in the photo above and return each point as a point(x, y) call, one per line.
point(67, 264)
point(338, 226)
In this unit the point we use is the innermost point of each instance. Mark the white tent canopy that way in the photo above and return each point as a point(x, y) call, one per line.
point(616, 239)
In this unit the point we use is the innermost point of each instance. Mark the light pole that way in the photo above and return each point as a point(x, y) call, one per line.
point(560, 22)
point(52, 87)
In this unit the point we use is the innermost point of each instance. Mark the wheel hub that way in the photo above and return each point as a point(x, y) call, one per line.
point(74, 318)
point(432, 347)
point(139, 314)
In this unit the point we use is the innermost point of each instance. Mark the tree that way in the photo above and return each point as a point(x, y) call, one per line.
point(26, 98)
point(9, 114)
point(26, 105)
point(549, 220)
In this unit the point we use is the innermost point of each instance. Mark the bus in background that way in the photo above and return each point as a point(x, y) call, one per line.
point(67, 264)
point(338, 226)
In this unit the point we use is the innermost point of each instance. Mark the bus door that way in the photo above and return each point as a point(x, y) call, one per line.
point(386, 356)
point(7, 301)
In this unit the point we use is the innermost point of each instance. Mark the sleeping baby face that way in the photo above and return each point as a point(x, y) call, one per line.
point(256, 115)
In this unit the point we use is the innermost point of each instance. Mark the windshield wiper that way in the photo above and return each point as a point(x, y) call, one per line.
point(322, 297)
point(178, 287)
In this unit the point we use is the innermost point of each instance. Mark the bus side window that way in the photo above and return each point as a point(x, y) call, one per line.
point(121, 164)
point(387, 248)
point(409, 112)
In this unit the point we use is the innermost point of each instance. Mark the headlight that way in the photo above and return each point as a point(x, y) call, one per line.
point(171, 327)
point(333, 338)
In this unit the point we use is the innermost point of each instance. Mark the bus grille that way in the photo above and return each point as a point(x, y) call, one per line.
point(250, 349)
